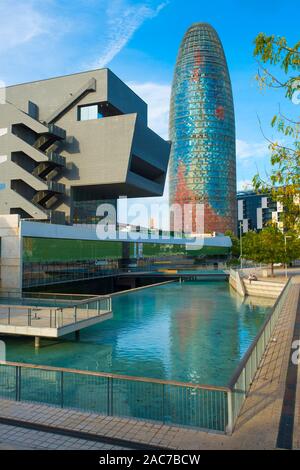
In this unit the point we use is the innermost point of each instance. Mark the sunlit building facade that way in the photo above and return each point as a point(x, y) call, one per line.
point(256, 211)
point(202, 131)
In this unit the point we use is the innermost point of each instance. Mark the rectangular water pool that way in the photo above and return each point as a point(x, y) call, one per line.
point(189, 332)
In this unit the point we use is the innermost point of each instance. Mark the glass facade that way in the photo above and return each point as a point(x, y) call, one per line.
point(49, 261)
point(85, 212)
point(202, 130)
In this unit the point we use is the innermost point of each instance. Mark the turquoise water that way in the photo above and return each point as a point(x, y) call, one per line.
point(192, 332)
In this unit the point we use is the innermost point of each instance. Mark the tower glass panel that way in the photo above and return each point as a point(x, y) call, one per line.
point(202, 130)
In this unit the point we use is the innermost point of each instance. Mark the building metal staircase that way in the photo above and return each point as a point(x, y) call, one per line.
point(39, 167)
point(35, 166)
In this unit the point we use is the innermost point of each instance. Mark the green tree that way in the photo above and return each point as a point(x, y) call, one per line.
point(279, 67)
point(268, 246)
point(235, 249)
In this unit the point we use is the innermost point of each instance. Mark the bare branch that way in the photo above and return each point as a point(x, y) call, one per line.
point(286, 118)
point(280, 84)
point(270, 141)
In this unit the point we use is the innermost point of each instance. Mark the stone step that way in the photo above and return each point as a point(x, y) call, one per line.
point(275, 285)
point(262, 291)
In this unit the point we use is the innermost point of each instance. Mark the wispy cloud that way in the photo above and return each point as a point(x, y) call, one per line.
point(122, 20)
point(53, 36)
point(21, 22)
point(247, 150)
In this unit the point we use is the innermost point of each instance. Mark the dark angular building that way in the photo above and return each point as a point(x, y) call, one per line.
point(202, 131)
point(69, 143)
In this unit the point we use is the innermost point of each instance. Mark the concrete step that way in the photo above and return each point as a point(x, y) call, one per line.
point(274, 285)
point(263, 288)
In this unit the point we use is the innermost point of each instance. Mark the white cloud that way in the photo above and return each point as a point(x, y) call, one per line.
point(20, 23)
point(246, 150)
point(157, 96)
point(244, 185)
point(122, 20)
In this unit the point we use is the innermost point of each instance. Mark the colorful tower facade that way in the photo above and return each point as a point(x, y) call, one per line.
point(202, 130)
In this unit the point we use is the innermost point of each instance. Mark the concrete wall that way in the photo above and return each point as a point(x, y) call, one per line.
point(236, 282)
point(52, 93)
point(11, 257)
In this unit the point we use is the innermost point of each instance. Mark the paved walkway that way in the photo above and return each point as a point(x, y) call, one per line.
point(257, 426)
point(279, 274)
point(17, 438)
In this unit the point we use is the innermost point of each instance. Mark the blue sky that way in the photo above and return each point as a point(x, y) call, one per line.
point(139, 41)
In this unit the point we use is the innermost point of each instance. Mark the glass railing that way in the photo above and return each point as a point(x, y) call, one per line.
point(164, 401)
point(42, 315)
point(56, 158)
point(57, 131)
point(56, 187)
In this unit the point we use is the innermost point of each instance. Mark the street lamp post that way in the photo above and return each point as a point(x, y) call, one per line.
point(241, 245)
point(285, 238)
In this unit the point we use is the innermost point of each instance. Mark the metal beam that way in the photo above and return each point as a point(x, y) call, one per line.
point(89, 87)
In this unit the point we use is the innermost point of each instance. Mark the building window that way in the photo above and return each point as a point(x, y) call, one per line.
point(2, 186)
point(87, 113)
point(97, 111)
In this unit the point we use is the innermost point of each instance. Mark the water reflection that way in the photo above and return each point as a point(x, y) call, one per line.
point(195, 332)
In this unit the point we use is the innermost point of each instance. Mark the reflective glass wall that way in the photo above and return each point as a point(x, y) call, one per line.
point(202, 130)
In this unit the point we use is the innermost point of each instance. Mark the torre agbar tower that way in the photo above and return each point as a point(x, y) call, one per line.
point(202, 131)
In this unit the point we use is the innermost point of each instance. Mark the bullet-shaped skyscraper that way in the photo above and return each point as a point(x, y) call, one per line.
point(202, 130)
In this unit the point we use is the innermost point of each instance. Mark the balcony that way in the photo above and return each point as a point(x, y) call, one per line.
point(56, 217)
point(56, 158)
point(56, 187)
point(57, 131)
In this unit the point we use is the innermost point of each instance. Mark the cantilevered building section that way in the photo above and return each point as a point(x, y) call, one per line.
point(69, 143)
point(202, 130)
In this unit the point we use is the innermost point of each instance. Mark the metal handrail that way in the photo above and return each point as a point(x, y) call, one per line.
point(116, 376)
point(20, 307)
point(29, 309)
point(56, 294)
point(91, 299)
point(87, 300)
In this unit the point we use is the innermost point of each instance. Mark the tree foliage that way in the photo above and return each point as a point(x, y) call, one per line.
point(270, 246)
point(235, 248)
point(279, 67)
